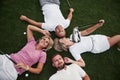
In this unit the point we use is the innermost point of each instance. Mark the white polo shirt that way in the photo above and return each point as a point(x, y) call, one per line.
point(53, 17)
point(72, 72)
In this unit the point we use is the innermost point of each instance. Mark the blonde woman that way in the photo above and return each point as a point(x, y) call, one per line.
point(92, 43)
point(33, 52)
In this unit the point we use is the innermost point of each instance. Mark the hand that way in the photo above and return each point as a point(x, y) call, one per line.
point(101, 22)
point(46, 32)
point(21, 65)
point(68, 60)
point(22, 17)
point(71, 10)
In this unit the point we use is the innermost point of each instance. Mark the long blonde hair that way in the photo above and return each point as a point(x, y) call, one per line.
point(58, 46)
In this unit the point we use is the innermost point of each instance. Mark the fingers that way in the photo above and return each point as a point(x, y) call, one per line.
point(22, 17)
point(71, 10)
point(65, 59)
point(46, 32)
point(21, 65)
point(101, 21)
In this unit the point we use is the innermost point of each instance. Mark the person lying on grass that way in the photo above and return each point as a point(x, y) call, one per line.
point(33, 52)
point(88, 43)
point(52, 16)
point(67, 72)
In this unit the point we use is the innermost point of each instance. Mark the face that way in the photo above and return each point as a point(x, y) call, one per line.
point(65, 41)
point(59, 31)
point(58, 62)
point(44, 42)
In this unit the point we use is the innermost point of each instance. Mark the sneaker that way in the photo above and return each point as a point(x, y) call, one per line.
point(75, 36)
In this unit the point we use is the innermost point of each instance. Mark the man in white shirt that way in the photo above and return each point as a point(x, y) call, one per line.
point(67, 72)
point(54, 20)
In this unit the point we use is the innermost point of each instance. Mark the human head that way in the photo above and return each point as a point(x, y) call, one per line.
point(58, 61)
point(46, 42)
point(59, 46)
point(60, 31)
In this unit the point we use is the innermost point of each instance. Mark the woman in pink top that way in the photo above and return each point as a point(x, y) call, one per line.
point(30, 54)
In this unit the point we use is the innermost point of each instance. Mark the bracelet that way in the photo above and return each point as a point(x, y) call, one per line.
point(27, 68)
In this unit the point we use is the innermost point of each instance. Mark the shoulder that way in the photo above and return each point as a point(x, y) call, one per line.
point(53, 77)
point(43, 53)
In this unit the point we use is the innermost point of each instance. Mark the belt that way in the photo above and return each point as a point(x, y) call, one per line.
point(10, 58)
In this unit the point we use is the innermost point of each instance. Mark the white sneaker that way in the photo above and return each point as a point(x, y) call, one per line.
point(75, 36)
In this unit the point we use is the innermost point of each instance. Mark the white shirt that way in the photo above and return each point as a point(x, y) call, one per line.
point(83, 46)
point(93, 43)
point(53, 17)
point(72, 72)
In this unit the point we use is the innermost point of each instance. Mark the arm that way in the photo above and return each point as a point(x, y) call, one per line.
point(86, 77)
point(24, 18)
point(36, 70)
point(70, 15)
point(79, 62)
point(31, 28)
point(93, 28)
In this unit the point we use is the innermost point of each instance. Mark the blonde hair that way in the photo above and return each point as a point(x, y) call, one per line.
point(50, 42)
point(58, 46)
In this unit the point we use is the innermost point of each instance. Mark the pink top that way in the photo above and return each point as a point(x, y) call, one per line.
point(29, 55)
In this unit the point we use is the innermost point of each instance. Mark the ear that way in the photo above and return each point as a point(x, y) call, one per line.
point(53, 64)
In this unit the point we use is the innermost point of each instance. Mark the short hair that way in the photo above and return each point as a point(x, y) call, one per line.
point(59, 36)
point(54, 56)
point(59, 46)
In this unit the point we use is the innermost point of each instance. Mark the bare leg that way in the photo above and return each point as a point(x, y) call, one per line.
point(114, 40)
point(24, 18)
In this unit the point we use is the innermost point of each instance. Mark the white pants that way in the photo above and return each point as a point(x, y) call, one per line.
point(7, 69)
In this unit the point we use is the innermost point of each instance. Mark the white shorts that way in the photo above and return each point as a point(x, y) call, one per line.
point(100, 43)
point(7, 69)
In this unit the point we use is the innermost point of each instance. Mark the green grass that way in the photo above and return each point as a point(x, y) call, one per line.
point(105, 66)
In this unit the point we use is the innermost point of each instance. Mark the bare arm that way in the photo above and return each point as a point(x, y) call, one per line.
point(36, 70)
point(31, 28)
point(93, 28)
point(86, 77)
point(79, 62)
point(35, 23)
point(70, 15)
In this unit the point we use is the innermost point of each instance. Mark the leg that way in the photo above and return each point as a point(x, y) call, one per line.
point(24, 18)
point(114, 40)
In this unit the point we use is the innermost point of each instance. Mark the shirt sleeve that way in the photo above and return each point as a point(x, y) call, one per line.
point(81, 71)
point(43, 57)
point(31, 39)
point(75, 54)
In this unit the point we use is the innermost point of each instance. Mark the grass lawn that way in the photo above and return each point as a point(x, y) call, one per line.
point(105, 66)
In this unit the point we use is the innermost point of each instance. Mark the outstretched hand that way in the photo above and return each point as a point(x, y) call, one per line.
point(100, 22)
point(71, 10)
point(22, 17)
